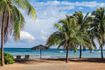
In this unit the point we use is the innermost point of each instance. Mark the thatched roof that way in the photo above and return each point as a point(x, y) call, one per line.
point(39, 47)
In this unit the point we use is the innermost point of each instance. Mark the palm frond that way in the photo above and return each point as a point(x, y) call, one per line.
point(24, 4)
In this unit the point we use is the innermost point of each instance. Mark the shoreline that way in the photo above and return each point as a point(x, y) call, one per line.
point(54, 57)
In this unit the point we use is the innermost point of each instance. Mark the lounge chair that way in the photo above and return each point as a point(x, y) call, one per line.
point(18, 57)
point(27, 57)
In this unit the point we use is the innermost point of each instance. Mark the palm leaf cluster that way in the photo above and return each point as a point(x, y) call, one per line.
point(12, 19)
point(66, 33)
point(79, 30)
point(12, 16)
point(84, 22)
point(69, 35)
point(98, 27)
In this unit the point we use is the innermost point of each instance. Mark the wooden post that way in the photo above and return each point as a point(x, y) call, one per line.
point(40, 53)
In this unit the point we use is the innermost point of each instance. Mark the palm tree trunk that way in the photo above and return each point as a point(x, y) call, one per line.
point(67, 50)
point(80, 51)
point(102, 52)
point(2, 38)
point(102, 46)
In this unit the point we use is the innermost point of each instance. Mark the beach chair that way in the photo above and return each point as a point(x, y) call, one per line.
point(27, 57)
point(18, 57)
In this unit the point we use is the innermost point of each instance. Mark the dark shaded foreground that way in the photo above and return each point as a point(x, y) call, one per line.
point(96, 60)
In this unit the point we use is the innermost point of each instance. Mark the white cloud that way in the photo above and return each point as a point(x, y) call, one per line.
point(44, 32)
point(91, 4)
point(44, 35)
point(80, 8)
point(44, 38)
point(53, 5)
point(26, 37)
point(49, 13)
point(71, 5)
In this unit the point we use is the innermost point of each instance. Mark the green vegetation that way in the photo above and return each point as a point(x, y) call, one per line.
point(12, 19)
point(84, 21)
point(79, 30)
point(8, 59)
point(98, 26)
point(66, 36)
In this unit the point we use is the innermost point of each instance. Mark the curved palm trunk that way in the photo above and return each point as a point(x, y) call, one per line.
point(67, 52)
point(80, 52)
point(2, 38)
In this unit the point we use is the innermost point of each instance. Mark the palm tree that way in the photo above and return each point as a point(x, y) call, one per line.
point(12, 19)
point(83, 21)
point(67, 35)
point(98, 27)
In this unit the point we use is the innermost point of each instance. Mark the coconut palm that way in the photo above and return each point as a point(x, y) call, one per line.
point(83, 21)
point(12, 19)
point(67, 35)
point(98, 27)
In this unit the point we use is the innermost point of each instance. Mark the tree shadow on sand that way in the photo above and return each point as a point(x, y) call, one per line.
point(96, 60)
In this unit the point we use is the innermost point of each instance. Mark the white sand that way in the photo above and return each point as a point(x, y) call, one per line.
point(54, 65)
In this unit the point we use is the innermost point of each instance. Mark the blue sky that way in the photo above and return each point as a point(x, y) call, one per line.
point(49, 12)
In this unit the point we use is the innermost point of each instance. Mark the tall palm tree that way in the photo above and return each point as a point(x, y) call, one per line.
point(67, 35)
point(12, 19)
point(98, 27)
point(83, 21)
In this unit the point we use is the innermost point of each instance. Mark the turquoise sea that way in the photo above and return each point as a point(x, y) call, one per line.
point(52, 53)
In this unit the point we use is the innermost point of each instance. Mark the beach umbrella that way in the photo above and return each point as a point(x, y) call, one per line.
point(40, 47)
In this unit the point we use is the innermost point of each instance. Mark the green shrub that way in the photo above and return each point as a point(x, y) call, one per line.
point(8, 58)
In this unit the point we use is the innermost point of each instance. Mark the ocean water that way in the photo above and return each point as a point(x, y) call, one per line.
point(52, 53)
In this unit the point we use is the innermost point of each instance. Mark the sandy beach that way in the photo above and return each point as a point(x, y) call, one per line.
point(56, 64)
